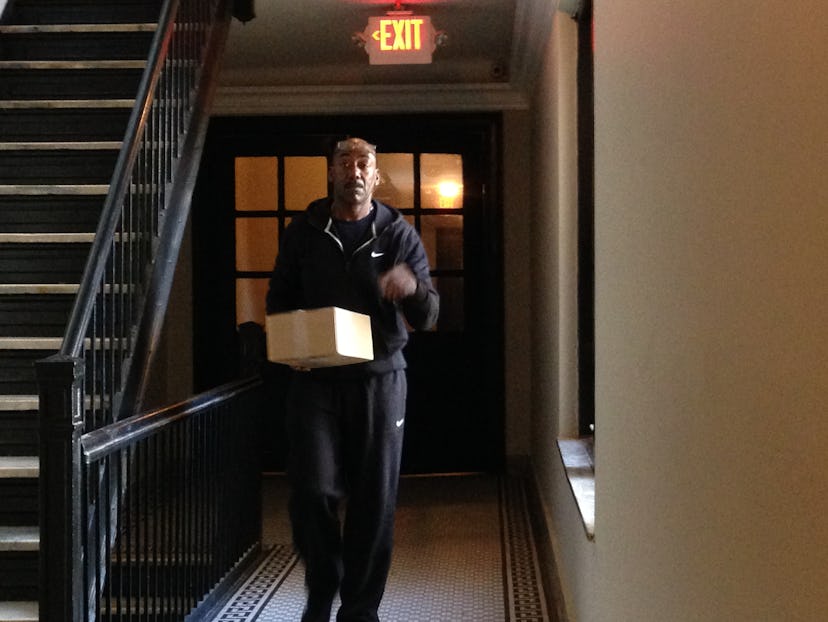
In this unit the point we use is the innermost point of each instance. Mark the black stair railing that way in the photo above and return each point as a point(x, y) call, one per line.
point(185, 493)
point(100, 374)
point(129, 271)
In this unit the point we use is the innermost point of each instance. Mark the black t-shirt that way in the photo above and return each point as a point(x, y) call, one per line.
point(353, 232)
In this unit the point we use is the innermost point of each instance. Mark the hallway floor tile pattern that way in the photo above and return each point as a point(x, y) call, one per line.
point(463, 553)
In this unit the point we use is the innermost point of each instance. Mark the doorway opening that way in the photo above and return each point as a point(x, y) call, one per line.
point(442, 172)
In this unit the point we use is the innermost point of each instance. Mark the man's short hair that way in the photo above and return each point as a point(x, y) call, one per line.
point(353, 143)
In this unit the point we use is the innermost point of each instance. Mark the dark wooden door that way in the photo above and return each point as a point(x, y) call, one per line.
point(442, 173)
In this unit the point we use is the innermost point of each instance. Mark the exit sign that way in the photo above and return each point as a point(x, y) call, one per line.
point(399, 38)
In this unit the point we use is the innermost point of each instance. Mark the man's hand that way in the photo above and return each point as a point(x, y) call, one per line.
point(398, 283)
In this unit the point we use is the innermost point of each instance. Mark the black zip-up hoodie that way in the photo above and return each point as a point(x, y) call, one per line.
point(312, 271)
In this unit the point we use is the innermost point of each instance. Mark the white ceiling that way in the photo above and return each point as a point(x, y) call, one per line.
point(299, 56)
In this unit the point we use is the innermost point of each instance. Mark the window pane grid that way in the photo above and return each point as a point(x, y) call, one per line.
point(426, 188)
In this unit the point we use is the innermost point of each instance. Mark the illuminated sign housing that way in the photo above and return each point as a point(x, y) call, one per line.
point(399, 38)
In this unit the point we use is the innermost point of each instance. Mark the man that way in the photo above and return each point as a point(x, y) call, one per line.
point(345, 424)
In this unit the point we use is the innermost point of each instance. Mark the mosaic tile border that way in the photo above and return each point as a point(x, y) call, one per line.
point(523, 586)
point(254, 594)
point(523, 593)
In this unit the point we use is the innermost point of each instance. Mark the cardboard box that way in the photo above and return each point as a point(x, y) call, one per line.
point(319, 337)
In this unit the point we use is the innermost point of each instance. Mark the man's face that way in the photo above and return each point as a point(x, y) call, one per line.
point(354, 174)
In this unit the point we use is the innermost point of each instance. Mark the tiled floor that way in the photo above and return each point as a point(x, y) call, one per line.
point(463, 553)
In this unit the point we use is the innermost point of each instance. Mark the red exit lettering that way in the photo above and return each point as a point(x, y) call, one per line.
point(400, 34)
point(399, 38)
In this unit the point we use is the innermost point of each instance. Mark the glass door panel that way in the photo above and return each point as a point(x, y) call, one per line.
point(452, 303)
point(441, 181)
point(261, 217)
point(397, 180)
point(306, 179)
point(435, 208)
point(257, 241)
point(256, 184)
point(256, 196)
point(443, 238)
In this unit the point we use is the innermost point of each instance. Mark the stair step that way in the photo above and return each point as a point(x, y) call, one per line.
point(83, 11)
point(42, 263)
point(19, 539)
point(47, 213)
point(100, 145)
point(17, 370)
point(19, 467)
point(64, 104)
point(19, 492)
point(30, 343)
point(52, 288)
point(56, 167)
point(18, 574)
point(55, 189)
point(34, 314)
point(18, 362)
point(79, 119)
point(46, 65)
point(38, 288)
point(19, 429)
point(10, 403)
point(76, 41)
point(53, 343)
point(69, 79)
point(19, 611)
point(46, 238)
point(18, 374)
point(149, 608)
point(12, 29)
point(19, 425)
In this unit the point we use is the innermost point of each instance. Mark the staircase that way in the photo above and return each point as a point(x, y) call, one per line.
point(69, 71)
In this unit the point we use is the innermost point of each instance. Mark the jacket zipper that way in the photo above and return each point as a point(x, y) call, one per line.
point(329, 229)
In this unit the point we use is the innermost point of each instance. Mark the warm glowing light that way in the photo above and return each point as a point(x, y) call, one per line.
point(449, 189)
point(447, 193)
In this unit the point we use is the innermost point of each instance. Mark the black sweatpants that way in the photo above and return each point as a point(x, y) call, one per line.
point(345, 446)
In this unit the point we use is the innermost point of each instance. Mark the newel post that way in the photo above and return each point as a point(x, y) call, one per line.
point(60, 380)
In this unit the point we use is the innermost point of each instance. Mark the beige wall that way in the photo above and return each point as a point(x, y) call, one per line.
point(553, 301)
point(711, 339)
point(172, 369)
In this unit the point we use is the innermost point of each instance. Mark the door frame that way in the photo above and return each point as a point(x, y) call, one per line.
point(216, 343)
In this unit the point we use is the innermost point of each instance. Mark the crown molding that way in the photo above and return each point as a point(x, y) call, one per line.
point(532, 29)
point(282, 100)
